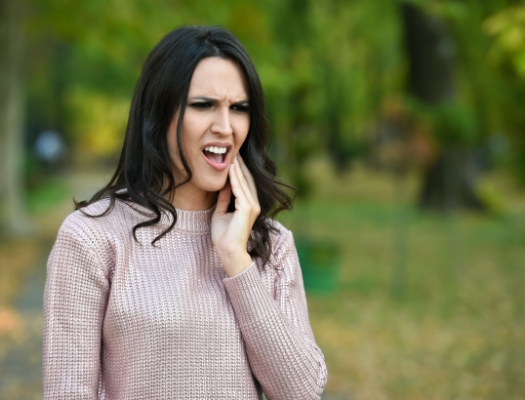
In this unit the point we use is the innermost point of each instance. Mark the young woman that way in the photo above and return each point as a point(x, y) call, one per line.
point(173, 282)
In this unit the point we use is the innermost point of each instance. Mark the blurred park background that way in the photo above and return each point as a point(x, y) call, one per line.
point(402, 124)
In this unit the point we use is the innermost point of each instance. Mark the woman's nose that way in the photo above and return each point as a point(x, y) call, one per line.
point(222, 124)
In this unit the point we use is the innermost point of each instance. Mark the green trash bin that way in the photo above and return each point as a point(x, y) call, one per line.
point(320, 264)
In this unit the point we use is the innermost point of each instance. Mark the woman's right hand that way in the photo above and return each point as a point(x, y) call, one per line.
point(231, 230)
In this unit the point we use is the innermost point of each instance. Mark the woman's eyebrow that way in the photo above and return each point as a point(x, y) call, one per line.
point(203, 98)
point(212, 100)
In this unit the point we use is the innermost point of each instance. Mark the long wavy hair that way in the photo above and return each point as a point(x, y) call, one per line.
point(144, 170)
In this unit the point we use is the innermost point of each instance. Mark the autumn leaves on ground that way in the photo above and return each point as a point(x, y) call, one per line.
point(427, 306)
point(453, 326)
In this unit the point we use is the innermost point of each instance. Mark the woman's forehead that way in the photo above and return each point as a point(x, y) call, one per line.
point(218, 78)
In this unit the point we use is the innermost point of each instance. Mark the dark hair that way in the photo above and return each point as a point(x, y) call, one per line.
point(144, 168)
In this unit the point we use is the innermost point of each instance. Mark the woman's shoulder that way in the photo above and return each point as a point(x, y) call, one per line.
point(98, 230)
point(283, 254)
point(96, 220)
point(88, 235)
point(280, 235)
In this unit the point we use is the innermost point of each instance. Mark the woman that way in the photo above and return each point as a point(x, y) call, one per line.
point(173, 282)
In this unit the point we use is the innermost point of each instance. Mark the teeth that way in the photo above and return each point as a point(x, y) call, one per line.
point(216, 150)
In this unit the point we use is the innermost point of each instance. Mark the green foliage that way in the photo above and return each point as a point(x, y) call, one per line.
point(508, 29)
point(490, 40)
point(323, 65)
point(333, 70)
point(326, 66)
point(453, 124)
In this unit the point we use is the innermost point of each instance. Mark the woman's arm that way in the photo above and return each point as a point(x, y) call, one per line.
point(75, 299)
point(279, 341)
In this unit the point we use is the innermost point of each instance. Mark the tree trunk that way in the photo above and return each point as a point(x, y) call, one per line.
point(448, 183)
point(13, 218)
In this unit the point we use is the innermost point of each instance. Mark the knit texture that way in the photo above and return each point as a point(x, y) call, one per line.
point(128, 320)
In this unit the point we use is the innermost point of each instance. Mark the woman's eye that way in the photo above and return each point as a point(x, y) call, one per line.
point(243, 108)
point(202, 105)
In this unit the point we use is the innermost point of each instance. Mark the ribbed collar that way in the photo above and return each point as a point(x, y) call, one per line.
point(190, 221)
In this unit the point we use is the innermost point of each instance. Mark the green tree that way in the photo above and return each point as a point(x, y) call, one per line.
point(506, 27)
point(12, 93)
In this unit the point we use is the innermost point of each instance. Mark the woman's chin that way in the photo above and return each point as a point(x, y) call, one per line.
point(214, 185)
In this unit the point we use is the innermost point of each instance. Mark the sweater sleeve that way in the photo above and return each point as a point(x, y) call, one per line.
point(276, 330)
point(75, 299)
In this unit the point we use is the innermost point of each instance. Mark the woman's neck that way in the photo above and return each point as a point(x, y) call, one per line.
point(186, 199)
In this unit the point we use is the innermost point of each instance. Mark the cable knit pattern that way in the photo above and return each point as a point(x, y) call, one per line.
point(128, 320)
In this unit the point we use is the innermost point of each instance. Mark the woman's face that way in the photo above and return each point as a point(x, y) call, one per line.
point(214, 126)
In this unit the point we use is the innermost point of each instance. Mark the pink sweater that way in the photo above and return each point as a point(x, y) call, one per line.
point(126, 320)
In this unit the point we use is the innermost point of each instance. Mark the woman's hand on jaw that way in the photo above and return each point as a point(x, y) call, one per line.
point(230, 231)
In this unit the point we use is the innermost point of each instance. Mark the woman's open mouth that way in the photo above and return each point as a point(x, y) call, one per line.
point(216, 156)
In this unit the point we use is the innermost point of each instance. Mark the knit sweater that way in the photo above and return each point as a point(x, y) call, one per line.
point(130, 320)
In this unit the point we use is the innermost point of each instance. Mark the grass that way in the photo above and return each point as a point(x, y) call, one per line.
point(454, 329)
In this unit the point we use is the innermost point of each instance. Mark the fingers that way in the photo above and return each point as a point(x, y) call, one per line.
point(237, 188)
point(248, 176)
point(241, 189)
point(242, 180)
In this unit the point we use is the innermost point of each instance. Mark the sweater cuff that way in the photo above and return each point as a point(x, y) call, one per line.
point(249, 297)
